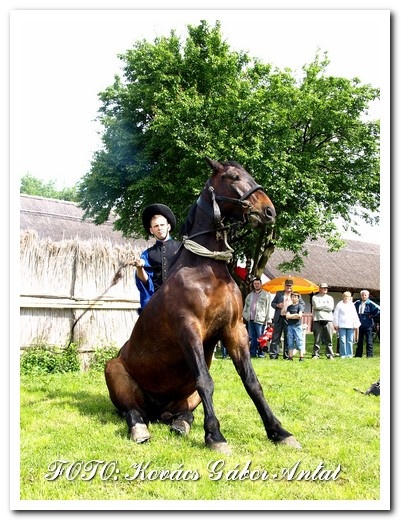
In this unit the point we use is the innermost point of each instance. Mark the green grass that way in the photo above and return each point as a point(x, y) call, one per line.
point(70, 417)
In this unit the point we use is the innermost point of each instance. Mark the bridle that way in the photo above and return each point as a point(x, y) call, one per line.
point(218, 228)
point(216, 213)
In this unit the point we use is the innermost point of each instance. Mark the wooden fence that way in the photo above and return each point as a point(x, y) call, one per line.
point(59, 281)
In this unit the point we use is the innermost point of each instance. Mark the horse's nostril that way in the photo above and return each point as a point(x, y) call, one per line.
point(270, 213)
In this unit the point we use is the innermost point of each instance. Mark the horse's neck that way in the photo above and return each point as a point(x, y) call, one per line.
point(203, 233)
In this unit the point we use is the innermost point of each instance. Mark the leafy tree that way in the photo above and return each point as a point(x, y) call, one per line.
point(30, 185)
point(307, 141)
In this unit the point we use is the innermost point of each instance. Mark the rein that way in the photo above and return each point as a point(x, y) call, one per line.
point(198, 249)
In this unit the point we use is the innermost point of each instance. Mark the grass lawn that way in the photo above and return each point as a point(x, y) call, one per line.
point(69, 418)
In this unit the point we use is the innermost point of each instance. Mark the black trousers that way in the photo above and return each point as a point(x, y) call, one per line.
point(365, 333)
point(279, 328)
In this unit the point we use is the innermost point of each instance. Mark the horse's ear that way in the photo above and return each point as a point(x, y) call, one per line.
point(214, 165)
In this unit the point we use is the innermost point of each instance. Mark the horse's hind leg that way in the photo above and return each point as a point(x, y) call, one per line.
point(179, 423)
point(128, 399)
point(182, 424)
point(137, 429)
point(179, 415)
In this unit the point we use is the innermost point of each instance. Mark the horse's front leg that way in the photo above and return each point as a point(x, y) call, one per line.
point(237, 347)
point(194, 355)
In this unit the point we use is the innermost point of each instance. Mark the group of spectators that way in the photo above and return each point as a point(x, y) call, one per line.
point(352, 321)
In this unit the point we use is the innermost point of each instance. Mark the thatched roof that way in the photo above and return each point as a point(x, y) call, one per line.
point(355, 267)
point(62, 220)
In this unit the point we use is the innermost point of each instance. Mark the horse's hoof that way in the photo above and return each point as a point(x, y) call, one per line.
point(291, 441)
point(180, 427)
point(221, 447)
point(140, 433)
point(166, 417)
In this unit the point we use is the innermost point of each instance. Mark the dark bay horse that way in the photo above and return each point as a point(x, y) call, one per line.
point(162, 372)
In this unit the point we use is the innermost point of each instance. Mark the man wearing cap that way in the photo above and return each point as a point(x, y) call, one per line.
point(322, 307)
point(154, 263)
point(280, 303)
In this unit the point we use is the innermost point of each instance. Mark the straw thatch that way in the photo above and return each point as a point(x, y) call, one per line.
point(66, 263)
point(61, 280)
point(61, 220)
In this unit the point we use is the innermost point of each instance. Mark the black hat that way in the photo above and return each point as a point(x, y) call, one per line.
point(157, 209)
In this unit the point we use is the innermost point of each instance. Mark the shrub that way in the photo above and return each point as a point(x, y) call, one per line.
point(45, 360)
point(101, 356)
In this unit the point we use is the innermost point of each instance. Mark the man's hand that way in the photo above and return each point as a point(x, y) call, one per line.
point(138, 263)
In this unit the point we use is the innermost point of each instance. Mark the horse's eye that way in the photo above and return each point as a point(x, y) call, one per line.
point(231, 176)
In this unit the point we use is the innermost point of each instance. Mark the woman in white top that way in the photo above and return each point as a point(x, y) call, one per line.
point(345, 321)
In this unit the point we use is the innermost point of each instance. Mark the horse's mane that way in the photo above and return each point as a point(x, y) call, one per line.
point(184, 230)
point(187, 226)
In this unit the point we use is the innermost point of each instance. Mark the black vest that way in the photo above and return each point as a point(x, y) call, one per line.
point(160, 256)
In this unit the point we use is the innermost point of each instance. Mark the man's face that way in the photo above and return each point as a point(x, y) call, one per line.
point(159, 227)
point(364, 295)
point(288, 288)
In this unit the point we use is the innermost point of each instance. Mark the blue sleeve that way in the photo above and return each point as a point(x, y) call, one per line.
point(375, 309)
point(146, 289)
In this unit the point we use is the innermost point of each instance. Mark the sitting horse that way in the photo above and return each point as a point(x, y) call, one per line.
point(162, 372)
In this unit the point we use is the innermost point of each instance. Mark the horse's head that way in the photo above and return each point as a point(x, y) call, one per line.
point(238, 195)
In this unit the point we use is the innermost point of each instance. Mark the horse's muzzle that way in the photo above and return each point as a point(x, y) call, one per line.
point(267, 217)
point(270, 214)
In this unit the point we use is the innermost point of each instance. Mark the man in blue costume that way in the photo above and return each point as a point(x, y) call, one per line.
point(154, 263)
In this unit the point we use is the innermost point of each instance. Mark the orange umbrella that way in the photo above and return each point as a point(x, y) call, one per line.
point(301, 285)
